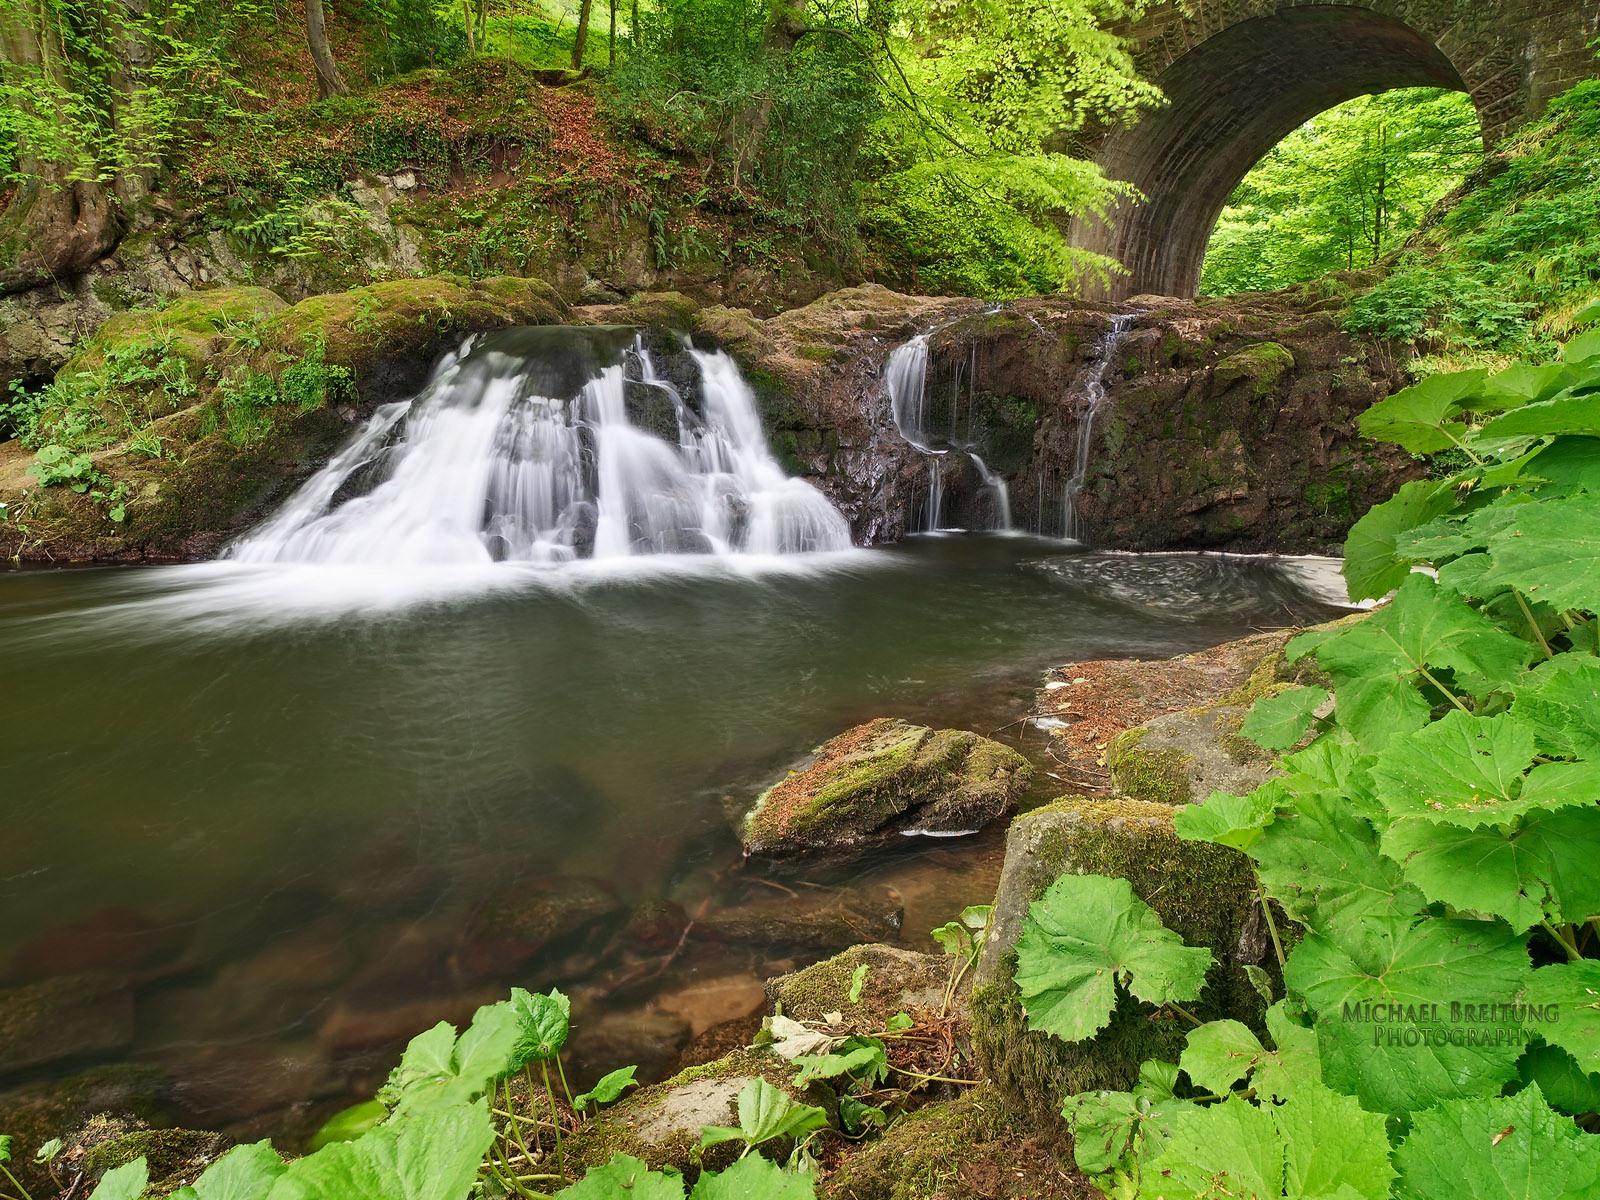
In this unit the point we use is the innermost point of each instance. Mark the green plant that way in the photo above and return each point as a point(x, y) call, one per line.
point(246, 398)
point(765, 1114)
point(309, 382)
point(963, 940)
point(1432, 837)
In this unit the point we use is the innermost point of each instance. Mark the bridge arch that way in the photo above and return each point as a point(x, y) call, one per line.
point(1240, 75)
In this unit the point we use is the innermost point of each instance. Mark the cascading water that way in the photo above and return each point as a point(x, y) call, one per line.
point(521, 448)
point(1094, 398)
point(996, 483)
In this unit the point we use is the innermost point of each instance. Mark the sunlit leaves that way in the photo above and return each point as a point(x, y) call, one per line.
point(1574, 989)
point(625, 1178)
point(1233, 821)
point(609, 1088)
point(1417, 418)
point(1514, 1148)
point(1372, 566)
point(126, 1182)
point(1278, 722)
point(1081, 938)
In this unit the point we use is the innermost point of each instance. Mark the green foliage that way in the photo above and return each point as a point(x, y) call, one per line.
point(1435, 839)
point(625, 1178)
point(1278, 722)
point(1509, 267)
point(766, 1113)
point(1343, 190)
point(126, 1182)
point(413, 33)
point(609, 1088)
point(1082, 938)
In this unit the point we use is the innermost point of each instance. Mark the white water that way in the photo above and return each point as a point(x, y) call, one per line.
point(996, 483)
point(482, 466)
point(1094, 398)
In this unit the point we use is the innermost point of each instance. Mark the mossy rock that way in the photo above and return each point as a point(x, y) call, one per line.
point(1184, 757)
point(34, 1114)
point(895, 981)
point(969, 1148)
point(1262, 364)
point(661, 1124)
point(173, 1157)
point(663, 312)
point(69, 1017)
point(882, 779)
point(1202, 892)
point(194, 327)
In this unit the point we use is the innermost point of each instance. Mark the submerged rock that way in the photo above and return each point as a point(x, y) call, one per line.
point(883, 779)
point(1205, 893)
point(521, 922)
point(823, 921)
point(72, 1017)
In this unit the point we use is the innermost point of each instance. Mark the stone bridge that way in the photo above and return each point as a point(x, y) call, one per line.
point(1241, 74)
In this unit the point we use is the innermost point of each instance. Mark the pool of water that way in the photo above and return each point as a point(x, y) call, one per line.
point(268, 805)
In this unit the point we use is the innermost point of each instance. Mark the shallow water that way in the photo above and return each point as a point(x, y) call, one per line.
point(249, 758)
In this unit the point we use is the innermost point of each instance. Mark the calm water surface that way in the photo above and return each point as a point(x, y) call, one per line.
point(235, 762)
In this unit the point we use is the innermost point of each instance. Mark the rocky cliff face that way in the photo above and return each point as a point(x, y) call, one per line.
point(1226, 425)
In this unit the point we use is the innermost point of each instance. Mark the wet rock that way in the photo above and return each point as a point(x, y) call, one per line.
point(71, 1017)
point(1183, 757)
point(408, 958)
point(654, 926)
point(895, 981)
point(173, 1157)
point(1202, 892)
point(217, 1085)
point(883, 779)
point(34, 1114)
point(817, 921)
point(720, 1041)
point(349, 1029)
point(661, 1124)
point(521, 922)
point(119, 939)
point(704, 1003)
point(646, 1038)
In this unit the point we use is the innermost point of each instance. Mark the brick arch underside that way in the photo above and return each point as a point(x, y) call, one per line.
point(1230, 100)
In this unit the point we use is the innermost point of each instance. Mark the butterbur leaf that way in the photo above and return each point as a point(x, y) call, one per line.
point(976, 916)
point(1372, 565)
point(1220, 1053)
point(1522, 383)
point(428, 1057)
point(45, 1153)
point(126, 1182)
point(625, 1178)
point(858, 979)
point(1278, 722)
point(1331, 1147)
point(1294, 1060)
point(1516, 1148)
point(1231, 1149)
point(1418, 417)
point(1553, 553)
point(1463, 769)
point(1106, 1124)
point(953, 937)
point(766, 1112)
point(542, 1023)
point(856, 1118)
point(1157, 1080)
point(754, 1178)
point(857, 1057)
point(1259, 979)
point(1081, 938)
point(431, 1154)
point(1566, 1085)
point(1236, 821)
point(1375, 662)
point(1568, 465)
point(1574, 988)
point(1542, 868)
point(900, 1021)
point(610, 1087)
point(243, 1173)
point(1320, 862)
point(1396, 1064)
point(350, 1123)
point(486, 1050)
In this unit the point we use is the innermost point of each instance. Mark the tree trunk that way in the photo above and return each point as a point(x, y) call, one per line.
point(55, 225)
point(582, 35)
point(472, 41)
point(611, 44)
point(329, 81)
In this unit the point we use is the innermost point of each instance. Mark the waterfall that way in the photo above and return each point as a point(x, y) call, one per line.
point(996, 483)
point(906, 377)
point(521, 448)
point(1094, 398)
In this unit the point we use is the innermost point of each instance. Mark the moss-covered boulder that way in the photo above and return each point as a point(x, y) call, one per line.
point(1262, 365)
point(883, 779)
point(173, 1157)
point(1203, 892)
point(35, 1113)
point(892, 980)
point(969, 1148)
point(1183, 757)
point(661, 1124)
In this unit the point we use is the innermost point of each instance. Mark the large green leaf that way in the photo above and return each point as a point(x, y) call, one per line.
point(1569, 465)
point(429, 1059)
point(1219, 1054)
point(1569, 413)
point(243, 1173)
point(625, 1178)
point(1540, 869)
point(1316, 1146)
point(754, 1178)
point(1417, 417)
point(126, 1182)
point(1522, 383)
point(1374, 661)
point(1320, 861)
point(1414, 972)
point(1560, 700)
point(1516, 1148)
point(542, 1023)
point(1553, 554)
point(432, 1154)
point(1234, 821)
point(1082, 937)
point(766, 1112)
point(859, 1058)
point(1372, 566)
point(1574, 988)
point(484, 1052)
point(1565, 1084)
point(1278, 722)
point(1466, 770)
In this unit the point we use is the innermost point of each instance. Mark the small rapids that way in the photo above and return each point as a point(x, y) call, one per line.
point(523, 447)
point(1094, 398)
